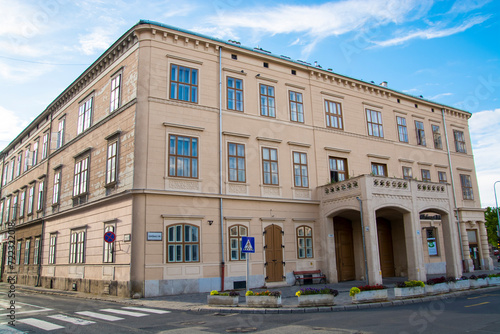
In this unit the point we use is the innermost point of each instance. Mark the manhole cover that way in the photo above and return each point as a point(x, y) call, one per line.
point(192, 323)
point(241, 329)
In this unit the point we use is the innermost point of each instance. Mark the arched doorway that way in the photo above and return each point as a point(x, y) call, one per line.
point(274, 253)
point(385, 246)
point(344, 249)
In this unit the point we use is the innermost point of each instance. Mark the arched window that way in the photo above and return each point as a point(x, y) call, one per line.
point(235, 234)
point(304, 242)
point(183, 243)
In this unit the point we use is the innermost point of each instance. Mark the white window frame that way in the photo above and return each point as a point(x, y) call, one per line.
point(57, 187)
point(31, 199)
point(45, 145)
point(116, 94)
point(85, 114)
point(52, 248)
point(41, 192)
point(36, 250)
point(112, 161)
point(80, 185)
point(77, 246)
point(108, 255)
point(27, 249)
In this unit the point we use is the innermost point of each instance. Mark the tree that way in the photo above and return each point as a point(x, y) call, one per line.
point(491, 225)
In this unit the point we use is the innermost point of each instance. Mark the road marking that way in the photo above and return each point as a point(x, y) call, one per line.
point(5, 305)
point(481, 296)
point(123, 312)
point(75, 321)
point(45, 325)
point(149, 310)
point(99, 316)
point(477, 304)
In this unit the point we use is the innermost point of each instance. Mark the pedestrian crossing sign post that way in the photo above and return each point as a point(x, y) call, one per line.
point(248, 246)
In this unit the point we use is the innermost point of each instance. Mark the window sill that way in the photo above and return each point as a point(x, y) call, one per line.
point(111, 185)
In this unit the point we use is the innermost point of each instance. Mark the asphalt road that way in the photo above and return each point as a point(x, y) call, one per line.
point(38, 313)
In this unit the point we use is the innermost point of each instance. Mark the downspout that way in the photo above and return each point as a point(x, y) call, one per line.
point(222, 264)
point(364, 244)
point(454, 193)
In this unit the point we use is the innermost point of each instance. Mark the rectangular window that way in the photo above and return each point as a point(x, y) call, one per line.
point(18, 251)
point(402, 129)
point(304, 242)
point(338, 169)
point(77, 247)
point(57, 187)
point(419, 127)
point(2, 207)
point(22, 204)
point(431, 241)
point(236, 156)
point(183, 156)
point(27, 247)
point(35, 154)
point(183, 243)
point(14, 207)
point(442, 177)
point(296, 107)
point(267, 107)
point(234, 94)
point(45, 145)
point(235, 234)
point(115, 96)
point(184, 83)
point(41, 193)
point(81, 177)
point(374, 121)
point(407, 173)
point(466, 187)
point(5, 173)
point(52, 248)
point(426, 175)
point(7, 209)
point(36, 251)
point(19, 163)
point(85, 115)
point(12, 167)
point(270, 165)
point(31, 199)
point(60, 133)
point(379, 169)
point(459, 141)
point(300, 170)
point(333, 113)
point(109, 247)
point(112, 162)
point(436, 135)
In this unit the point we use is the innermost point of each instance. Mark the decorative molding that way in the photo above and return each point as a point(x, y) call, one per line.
point(294, 86)
point(114, 134)
point(258, 76)
point(422, 163)
point(293, 143)
point(406, 160)
point(435, 120)
point(400, 112)
point(312, 220)
point(384, 157)
point(183, 126)
point(276, 219)
point(241, 72)
point(417, 116)
point(465, 169)
point(334, 149)
point(457, 126)
point(237, 218)
point(85, 151)
point(332, 94)
point(372, 105)
point(234, 134)
point(440, 166)
point(185, 59)
point(167, 216)
point(269, 139)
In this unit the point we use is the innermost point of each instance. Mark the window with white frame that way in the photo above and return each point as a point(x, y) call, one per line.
point(35, 154)
point(27, 160)
point(11, 169)
point(81, 176)
point(41, 192)
point(36, 251)
point(77, 247)
point(304, 242)
point(270, 166)
point(296, 107)
point(374, 121)
point(112, 162)
point(2, 208)
point(7, 209)
point(5, 173)
point(235, 234)
point(19, 164)
point(419, 127)
point(85, 115)
point(56, 191)
point(18, 251)
point(22, 203)
point(300, 170)
point(27, 248)
point(60, 133)
point(45, 145)
point(109, 247)
point(14, 206)
point(31, 199)
point(183, 243)
point(52, 248)
point(115, 97)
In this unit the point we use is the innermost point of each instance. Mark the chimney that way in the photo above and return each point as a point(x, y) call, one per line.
point(383, 84)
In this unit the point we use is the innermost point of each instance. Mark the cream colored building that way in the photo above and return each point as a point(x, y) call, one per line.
point(180, 144)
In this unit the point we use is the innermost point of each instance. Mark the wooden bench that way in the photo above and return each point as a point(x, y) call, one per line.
point(300, 276)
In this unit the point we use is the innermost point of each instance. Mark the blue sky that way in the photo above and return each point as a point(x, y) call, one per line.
point(446, 51)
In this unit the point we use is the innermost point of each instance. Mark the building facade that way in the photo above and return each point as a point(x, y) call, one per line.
point(180, 144)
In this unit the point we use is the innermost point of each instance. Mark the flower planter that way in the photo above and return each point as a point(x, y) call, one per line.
point(315, 300)
point(493, 280)
point(437, 289)
point(459, 285)
point(370, 296)
point(217, 300)
point(263, 301)
point(409, 292)
point(478, 283)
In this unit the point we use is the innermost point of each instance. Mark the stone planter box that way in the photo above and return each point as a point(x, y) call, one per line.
point(222, 300)
point(370, 296)
point(437, 289)
point(478, 283)
point(315, 300)
point(409, 292)
point(263, 301)
point(493, 280)
point(459, 285)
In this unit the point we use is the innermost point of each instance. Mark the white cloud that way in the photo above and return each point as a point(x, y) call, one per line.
point(464, 6)
point(484, 127)
point(23, 73)
point(10, 126)
point(99, 39)
point(438, 96)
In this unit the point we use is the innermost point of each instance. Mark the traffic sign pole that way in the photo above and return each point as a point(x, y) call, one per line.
point(248, 271)
point(247, 247)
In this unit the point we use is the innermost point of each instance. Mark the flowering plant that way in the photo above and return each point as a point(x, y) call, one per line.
point(230, 293)
point(358, 289)
point(410, 284)
point(436, 280)
point(313, 291)
point(263, 293)
point(494, 275)
point(478, 276)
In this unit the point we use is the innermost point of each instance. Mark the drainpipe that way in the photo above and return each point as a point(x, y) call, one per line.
point(453, 188)
point(222, 264)
point(363, 234)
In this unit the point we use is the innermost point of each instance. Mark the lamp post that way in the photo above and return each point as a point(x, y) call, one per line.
point(496, 203)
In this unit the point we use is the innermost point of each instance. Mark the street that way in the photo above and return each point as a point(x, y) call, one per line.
point(39, 313)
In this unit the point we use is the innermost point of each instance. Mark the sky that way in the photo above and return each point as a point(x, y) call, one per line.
point(446, 51)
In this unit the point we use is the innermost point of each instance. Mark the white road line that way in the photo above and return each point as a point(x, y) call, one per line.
point(75, 321)
point(45, 325)
point(122, 312)
point(149, 310)
point(99, 316)
point(27, 312)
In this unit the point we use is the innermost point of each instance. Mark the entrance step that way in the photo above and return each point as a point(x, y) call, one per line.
point(272, 285)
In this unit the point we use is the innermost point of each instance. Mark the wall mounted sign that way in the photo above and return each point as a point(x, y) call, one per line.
point(154, 236)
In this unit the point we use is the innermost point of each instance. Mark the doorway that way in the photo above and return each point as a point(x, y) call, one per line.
point(344, 249)
point(274, 253)
point(384, 233)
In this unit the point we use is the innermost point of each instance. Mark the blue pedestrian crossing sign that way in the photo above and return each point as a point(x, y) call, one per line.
point(247, 244)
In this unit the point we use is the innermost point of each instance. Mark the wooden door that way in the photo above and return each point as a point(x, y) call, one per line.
point(274, 253)
point(344, 249)
point(385, 249)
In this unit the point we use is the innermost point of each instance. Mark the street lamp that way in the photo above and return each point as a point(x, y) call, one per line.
point(496, 202)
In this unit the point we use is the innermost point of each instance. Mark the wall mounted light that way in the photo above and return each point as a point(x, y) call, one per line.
point(210, 222)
